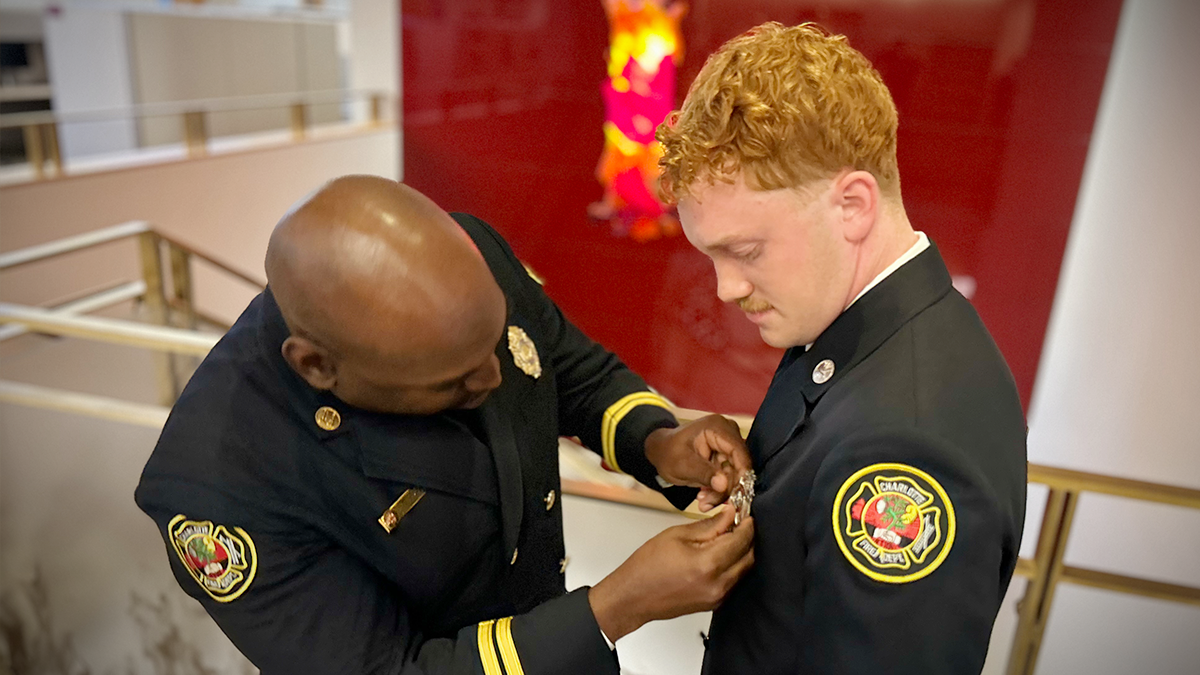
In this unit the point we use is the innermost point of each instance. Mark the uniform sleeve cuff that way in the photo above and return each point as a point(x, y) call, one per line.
point(559, 636)
point(627, 424)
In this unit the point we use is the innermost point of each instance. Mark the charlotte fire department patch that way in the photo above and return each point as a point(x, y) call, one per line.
point(893, 522)
point(223, 562)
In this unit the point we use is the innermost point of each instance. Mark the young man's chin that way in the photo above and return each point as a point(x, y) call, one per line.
point(772, 338)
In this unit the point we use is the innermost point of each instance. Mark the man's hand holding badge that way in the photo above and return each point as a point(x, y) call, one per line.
point(708, 453)
point(686, 568)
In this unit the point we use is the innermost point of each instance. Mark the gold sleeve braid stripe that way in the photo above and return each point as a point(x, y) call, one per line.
point(508, 649)
point(617, 412)
point(487, 650)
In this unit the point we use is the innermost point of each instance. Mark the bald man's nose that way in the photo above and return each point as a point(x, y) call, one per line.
point(485, 378)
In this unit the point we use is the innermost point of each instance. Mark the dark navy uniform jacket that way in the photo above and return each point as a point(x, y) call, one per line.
point(271, 498)
point(891, 494)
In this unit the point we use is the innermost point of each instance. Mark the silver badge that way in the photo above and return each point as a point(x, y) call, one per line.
point(823, 372)
point(742, 496)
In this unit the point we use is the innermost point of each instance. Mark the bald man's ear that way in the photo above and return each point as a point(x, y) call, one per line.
point(311, 361)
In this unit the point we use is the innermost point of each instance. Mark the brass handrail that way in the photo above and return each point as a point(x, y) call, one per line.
point(205, 105)
point(114, 294)
point(53, 249)
point(172, 309)
point(102, 407)
point(40, 127)
point(115, 331)
point(133, 228)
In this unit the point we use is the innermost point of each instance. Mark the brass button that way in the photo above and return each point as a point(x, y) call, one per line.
point(514, 559)
point(562, 565)
point(389, 521)
point(823, 372)
point(549, 500)
point(328, 418)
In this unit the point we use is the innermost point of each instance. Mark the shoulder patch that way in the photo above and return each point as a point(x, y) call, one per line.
point(221, 560)
point(893, 522)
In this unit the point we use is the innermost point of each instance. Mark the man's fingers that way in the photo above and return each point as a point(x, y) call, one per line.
point(720, 483)
point(711, 528)
point(729, 548)
point(696, 471)
point(712, 497)
point(730, 446)
point(738, 569)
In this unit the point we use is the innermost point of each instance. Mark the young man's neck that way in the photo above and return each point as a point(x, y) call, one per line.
point(891, 238)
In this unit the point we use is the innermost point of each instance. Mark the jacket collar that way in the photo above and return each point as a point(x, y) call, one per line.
point(803, 377)
point(275, 375)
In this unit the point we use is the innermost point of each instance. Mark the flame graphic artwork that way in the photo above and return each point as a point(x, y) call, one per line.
point(645, 48)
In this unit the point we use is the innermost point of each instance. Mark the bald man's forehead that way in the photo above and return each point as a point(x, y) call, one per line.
point(442, 347)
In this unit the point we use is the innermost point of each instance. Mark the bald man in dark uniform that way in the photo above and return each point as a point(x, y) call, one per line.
point(362, 476)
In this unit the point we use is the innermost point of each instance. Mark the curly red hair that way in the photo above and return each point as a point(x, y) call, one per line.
point(784, 106)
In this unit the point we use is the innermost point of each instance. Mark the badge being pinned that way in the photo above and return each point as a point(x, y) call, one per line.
point(893, 522)
point(223, 562)
point(743, 496)
point(523, 352)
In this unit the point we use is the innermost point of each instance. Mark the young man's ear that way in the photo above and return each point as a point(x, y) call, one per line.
point(856, 193)
point(311, 361)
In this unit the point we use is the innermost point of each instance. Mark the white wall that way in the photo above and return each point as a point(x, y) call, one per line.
point(1119, 384)
point(88, 57)
point(374, 45)
point(374, 40)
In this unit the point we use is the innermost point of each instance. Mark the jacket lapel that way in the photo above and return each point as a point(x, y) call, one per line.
point(851, 337)
point(783, 410)
point(498, 427)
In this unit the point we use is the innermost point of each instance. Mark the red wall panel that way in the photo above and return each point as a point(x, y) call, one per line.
point(997, 101)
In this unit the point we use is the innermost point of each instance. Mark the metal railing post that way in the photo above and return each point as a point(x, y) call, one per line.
point(183, 308)
point(50, 138)
point(376, 108)
point(1034, 608)
point(299, 121)
point(156, 309)
point(34, 152)
point(195, 133)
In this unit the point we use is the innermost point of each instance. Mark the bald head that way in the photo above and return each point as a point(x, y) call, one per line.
point(385, 297)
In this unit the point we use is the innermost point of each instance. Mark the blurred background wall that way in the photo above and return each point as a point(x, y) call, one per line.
point(1046, 145)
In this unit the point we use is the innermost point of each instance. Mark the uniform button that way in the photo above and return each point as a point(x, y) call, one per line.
point(823, 372)
point(514, 559)
point(328, 418)
point(550, 497)
point(562, 565)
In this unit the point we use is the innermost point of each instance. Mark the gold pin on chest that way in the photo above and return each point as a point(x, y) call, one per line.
point(399, 508)
point(524, 352)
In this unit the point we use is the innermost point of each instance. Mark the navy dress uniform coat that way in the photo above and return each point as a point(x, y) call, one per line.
point(891, 494)
point(327, 539)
